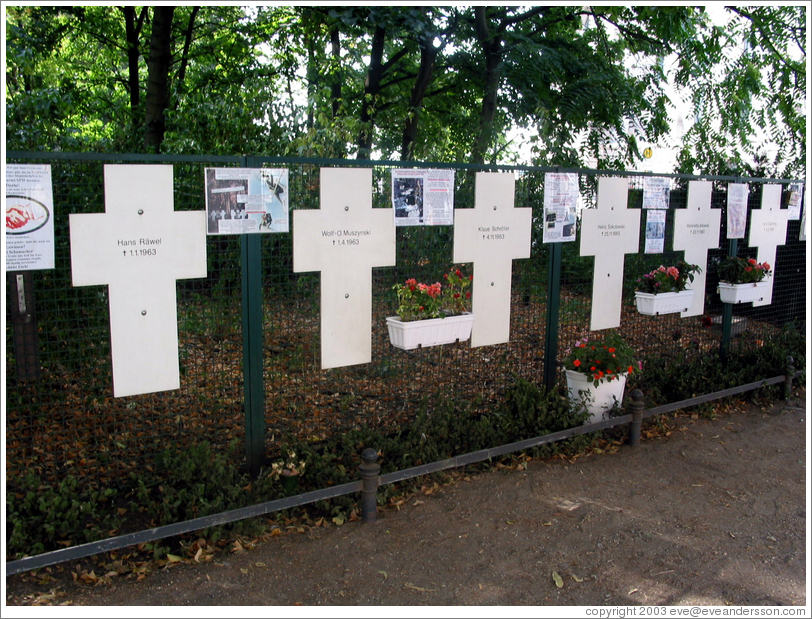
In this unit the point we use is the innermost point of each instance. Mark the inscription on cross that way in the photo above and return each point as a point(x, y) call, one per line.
point(139, 247)
point(768, 230)
point(696, 230)
point(344, 240)
point(492, 235)
point(609, 232)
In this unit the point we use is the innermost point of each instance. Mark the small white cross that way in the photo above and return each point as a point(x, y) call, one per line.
point(492, 235)
point(609, 232)
point(696, 230)
point(768, 230)
point(344, 240)
point(139, 247)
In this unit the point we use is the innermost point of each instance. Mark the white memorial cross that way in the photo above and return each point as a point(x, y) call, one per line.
point(139, 247)
point(768, 230)
point(696, 230)
point(492, 235)
point(344, 240)
point(609, 232)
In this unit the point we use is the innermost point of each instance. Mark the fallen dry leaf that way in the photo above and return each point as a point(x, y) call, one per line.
point(409, 585)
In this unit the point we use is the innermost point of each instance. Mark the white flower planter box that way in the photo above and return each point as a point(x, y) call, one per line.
point(599, 400)
point(742, 293)
point(652, 304)
point(432, 332)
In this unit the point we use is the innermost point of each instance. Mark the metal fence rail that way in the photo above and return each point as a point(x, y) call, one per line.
point(253, 376)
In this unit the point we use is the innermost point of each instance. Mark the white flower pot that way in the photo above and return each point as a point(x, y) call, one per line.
point(599, 400)
point(652, 304)
point(431, 332)
point(742, 293)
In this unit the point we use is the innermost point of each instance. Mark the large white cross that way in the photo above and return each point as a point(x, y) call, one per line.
point(492, 235)
point(696, 230)
point(609, 232)
point(139, 247)
point(344, 240)
point(768, 230)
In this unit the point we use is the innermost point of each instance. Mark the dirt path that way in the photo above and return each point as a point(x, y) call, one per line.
point(714, 514)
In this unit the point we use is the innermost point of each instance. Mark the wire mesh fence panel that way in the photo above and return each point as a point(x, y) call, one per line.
point(61, 416)
point(62, 419)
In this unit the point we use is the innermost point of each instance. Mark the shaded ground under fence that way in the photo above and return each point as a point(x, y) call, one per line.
point(707, 511)
point(101, 439)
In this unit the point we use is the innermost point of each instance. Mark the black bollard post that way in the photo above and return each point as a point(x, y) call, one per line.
point(788, 378)
point(370, 473)
point(636, 409)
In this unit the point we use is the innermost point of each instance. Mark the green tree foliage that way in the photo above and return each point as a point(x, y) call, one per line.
point(747, 82)
point(434, 83)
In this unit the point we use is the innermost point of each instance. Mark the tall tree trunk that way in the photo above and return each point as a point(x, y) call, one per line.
point(371, 89)
point(428, 55)
point(335, 52)
point(187, 44)
point(491, 40)
point(313, 75)
point(132, 28)
point(160, 58)
point(492, 49)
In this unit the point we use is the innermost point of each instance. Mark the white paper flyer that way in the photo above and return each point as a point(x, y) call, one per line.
point(796, 194)
point(560, 201)
point(246, 200)
point(423, 197)
point(656, 192)
point(736, 210)
point(655, 231)
point(29, 232)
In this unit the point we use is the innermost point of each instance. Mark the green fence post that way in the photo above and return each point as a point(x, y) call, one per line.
point(553, 304)
point(252, 338)
point(727, 310)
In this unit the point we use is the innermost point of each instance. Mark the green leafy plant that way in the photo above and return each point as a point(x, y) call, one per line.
point(671, 379)
point(673, 278)
point(42, 516)
point(418, 301)
point(735, 270)
point(601, 358)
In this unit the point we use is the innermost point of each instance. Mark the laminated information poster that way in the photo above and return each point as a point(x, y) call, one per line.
point(560, 200)
point(29, 218)
point(796, 194)
point(655, 231)
point(656, 192)
point(423, 197)
point(736, 210)
point(246, 200)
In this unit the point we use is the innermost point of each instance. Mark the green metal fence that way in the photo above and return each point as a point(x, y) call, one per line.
point(249, 331)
